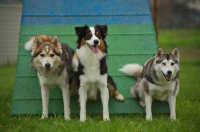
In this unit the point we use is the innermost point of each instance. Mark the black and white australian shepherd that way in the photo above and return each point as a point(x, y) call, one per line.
point(92, 78)
point(52, 61)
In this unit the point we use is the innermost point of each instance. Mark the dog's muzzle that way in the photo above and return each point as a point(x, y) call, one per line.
point(94, 47)
point(168, 75)
point(47, 68)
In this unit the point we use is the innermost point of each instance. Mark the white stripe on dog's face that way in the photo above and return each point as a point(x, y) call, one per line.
point(47, 48)
point(93, 38)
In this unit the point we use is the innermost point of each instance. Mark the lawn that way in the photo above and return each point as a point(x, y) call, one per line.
point(188, 100)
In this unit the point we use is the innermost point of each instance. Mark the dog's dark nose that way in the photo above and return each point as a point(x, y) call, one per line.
point(96, 42)
point(169, 72)
point(47, 65)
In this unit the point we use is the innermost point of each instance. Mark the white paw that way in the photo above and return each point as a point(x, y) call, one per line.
point(82, 117)
point(67, 117)
point(44, 116)
point(120, 97)
point(142, 103)
point(173, 118)
point(106, 117)
point(149, 118)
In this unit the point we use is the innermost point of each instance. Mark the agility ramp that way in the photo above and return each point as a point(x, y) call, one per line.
point(131, 39)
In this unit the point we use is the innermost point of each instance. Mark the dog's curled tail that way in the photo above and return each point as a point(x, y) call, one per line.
point(29, 45)
point(134, 70)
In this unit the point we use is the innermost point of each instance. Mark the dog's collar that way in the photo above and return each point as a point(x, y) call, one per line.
point(150, 79)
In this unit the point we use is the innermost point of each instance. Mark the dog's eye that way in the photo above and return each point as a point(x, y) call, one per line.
point(42, 55)
point(172, 64)
point(51, 55)
point(98, 35)
point(88, 36)
point(164, 64)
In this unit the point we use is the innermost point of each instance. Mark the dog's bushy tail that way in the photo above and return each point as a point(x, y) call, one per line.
point(29, 45)
point(134, 70)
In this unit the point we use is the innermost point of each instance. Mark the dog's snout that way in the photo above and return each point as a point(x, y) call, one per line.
point(169, 72)
point(47, 65)
point(96, 42)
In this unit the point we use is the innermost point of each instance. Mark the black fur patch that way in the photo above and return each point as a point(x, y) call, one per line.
point(146, 88)
point(111, 81)
point(175, 88)
point(103, 66)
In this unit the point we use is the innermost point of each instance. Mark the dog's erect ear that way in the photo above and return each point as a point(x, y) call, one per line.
point(38, 41)
point(103, 28)
point(159, 53)
point(80, 30)
point(56, 42)
point(175, 53)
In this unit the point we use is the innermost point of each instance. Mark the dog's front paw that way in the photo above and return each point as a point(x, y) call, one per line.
point(44, 116)
point(149, 117)
point(173, 118)
point(106, 117)
point(82, 117)
point(67, 117)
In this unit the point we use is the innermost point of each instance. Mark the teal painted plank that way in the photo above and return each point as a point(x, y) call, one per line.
point(114, 62)
point(131, 44)
point(69, 29)
point(29, 88)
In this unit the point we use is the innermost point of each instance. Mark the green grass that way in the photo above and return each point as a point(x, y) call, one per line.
point(188, 101)
point(188, 42)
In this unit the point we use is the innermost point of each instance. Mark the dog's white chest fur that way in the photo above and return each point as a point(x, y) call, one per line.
point(53, 80)
point(92, 80)
point(160, 92)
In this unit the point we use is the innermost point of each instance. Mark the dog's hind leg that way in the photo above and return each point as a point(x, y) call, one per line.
point(118, 96)
point(114, 93)
point(113, 90)
point(45, 101)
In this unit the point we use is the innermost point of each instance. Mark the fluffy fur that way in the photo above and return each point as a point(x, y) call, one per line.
point(52, 61)
point(158, 79)
point(92, 78)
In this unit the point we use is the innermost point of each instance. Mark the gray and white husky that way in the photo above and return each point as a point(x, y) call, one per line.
point(157, 79)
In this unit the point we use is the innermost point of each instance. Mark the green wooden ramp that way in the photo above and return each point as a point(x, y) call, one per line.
point(131, 39)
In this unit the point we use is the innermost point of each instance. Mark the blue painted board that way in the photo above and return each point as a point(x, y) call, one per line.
point(58, 12)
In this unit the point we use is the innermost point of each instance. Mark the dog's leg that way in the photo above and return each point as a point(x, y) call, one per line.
point(66, 101)
point(83, 100)
point(45, 100)
point(105, 100)
point(172, 106)
point(148, 102)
